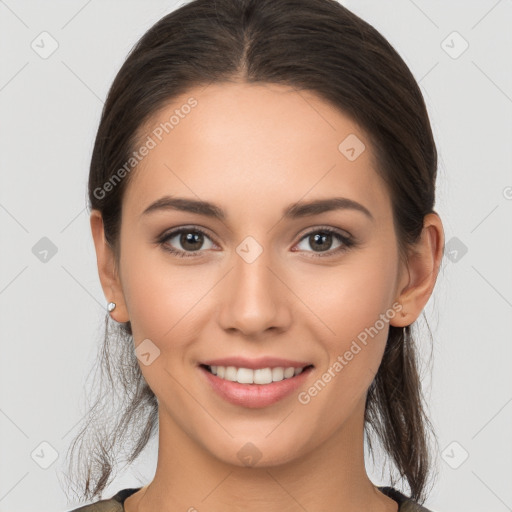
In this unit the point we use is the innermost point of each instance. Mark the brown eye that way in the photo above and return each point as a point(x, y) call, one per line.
point(321, 241)
point(184, 242)
point(191, 241)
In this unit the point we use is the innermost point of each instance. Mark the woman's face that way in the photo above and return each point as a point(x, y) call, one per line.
point(258, 282)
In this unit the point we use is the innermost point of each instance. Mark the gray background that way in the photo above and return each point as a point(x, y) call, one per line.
point(52, 309)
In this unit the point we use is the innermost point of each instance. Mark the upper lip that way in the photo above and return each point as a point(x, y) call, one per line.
point(256, 363)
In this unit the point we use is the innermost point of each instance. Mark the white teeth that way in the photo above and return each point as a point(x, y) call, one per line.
point(231, 373)
point(277, 374)
point(259, 376)
point(289, 372)
point(244, 376)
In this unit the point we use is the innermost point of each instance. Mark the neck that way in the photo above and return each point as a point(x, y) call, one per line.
point(330, 476)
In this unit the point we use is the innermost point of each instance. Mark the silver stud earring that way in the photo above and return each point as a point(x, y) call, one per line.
point(111, 306)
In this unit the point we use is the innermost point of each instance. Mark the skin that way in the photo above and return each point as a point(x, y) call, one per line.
point(253, 150)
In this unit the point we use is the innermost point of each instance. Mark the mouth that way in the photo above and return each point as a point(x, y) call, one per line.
point(257, 376)
point(254, 388)
point(254, 382)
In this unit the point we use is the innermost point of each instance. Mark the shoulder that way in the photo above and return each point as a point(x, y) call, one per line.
point(113, 504)
point(405, 503)
point(109, 505)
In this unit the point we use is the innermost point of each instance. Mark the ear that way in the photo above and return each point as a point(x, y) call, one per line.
point(107, 269)
point(419, 277)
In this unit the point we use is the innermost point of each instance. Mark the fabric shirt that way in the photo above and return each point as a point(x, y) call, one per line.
point(115, 504)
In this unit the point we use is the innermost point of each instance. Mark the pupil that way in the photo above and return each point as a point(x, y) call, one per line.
point(190, 238)
point(321, 237)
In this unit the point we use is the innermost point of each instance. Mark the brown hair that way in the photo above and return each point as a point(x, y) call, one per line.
point(315, 45)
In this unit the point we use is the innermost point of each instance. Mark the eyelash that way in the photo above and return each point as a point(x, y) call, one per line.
point(347, 242)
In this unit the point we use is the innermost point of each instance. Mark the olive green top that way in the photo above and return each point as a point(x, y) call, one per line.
point(115, 504)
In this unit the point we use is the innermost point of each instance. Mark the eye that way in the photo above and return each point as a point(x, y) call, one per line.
point(190, 239)
point(322, 239)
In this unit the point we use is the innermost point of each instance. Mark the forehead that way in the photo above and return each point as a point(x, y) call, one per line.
point(254, 145)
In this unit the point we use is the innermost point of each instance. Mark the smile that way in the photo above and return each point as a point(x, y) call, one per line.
point(254, 388)
point(258, 376)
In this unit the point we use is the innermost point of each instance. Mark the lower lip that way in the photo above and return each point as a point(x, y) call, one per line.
point(255, 395)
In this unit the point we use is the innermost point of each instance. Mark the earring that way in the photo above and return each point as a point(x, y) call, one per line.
point(111, 306)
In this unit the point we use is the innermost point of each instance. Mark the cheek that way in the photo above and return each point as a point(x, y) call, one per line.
point(161, 297)
point(351, 297)
point(164, 305)
point(352, 303)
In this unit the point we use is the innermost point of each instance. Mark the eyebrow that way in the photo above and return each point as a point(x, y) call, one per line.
point(293, 211)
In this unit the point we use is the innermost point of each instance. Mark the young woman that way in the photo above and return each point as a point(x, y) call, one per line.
point(262, 192)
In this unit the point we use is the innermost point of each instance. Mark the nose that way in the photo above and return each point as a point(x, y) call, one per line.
point(254, 298)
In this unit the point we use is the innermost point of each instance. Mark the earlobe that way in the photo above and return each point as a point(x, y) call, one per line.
point(422, 271)
point(107, 269)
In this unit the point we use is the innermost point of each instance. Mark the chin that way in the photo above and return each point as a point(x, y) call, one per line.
point(252, 451)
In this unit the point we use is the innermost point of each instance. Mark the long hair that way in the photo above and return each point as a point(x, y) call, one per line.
point(314, 45)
